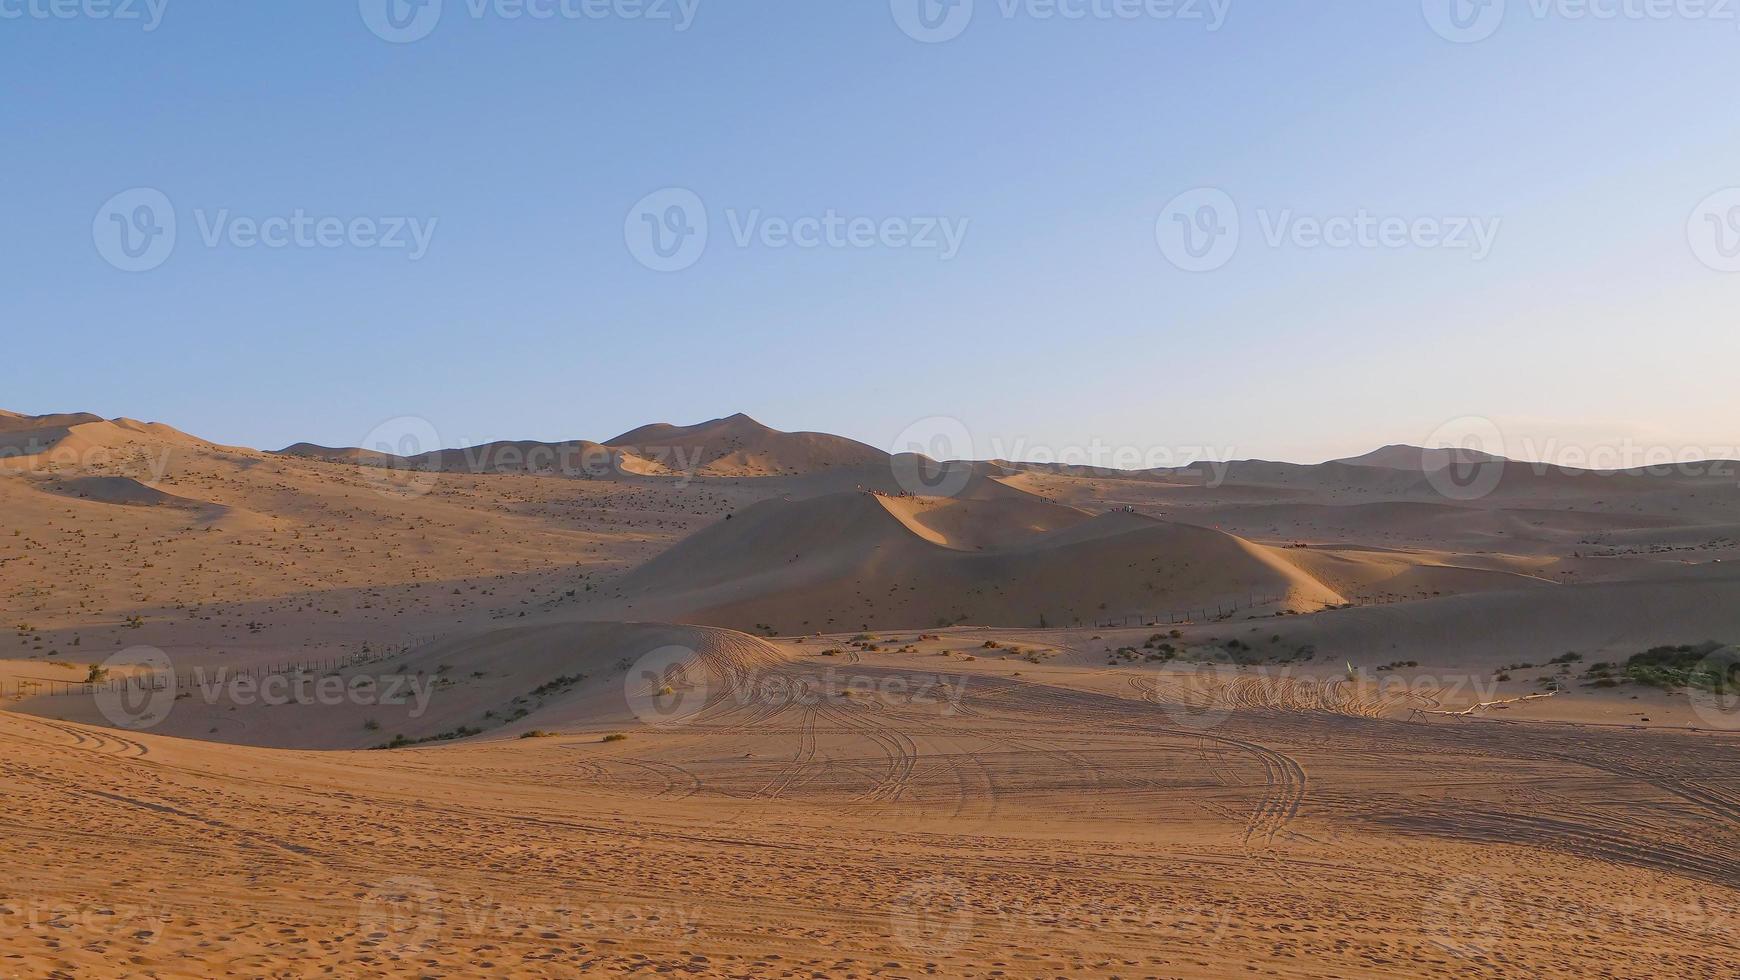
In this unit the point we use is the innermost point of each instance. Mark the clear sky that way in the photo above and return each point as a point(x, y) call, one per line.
point(1589, 151)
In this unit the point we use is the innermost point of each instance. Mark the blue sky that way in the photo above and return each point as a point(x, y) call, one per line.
point(1592, 149)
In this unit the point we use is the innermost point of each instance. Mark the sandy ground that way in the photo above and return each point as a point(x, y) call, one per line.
point(988, 826)
point(1355, 775)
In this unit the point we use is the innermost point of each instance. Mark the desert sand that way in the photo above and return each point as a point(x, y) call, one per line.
point(718, 700)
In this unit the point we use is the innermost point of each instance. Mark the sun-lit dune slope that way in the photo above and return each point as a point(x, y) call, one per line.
point(980, 524)
point(1363, 574)
point(858, 560)
point(81, 439)
point(741, 446)
point(16, 422)
point(501, 683)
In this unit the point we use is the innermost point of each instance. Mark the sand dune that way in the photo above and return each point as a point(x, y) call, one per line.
point(1418, 459)
point(15, 422)
point(121, 490)
point(968, 524)
point(1601, 621)
point(860, 560)
point(1364, 574)
point(971, 800)
point(495, 683)
point(1429, 524)
point(84, 440)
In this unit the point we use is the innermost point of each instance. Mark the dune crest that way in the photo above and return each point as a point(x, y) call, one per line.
point(862, 560)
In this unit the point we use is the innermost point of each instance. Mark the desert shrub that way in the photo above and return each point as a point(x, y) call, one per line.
point(1705, 666)
point(558, 685)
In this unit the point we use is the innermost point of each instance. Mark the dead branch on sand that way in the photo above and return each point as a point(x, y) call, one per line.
point(1473, 710)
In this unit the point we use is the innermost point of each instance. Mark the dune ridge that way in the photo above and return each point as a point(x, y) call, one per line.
point(861, 560)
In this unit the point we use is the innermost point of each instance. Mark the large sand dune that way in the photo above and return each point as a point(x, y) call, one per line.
point(493, 683)
point(861, 560)
point(82, 440)
point(1361, 779)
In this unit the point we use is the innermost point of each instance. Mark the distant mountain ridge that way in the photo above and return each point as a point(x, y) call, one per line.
point(738, 445)
point(734, 446)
